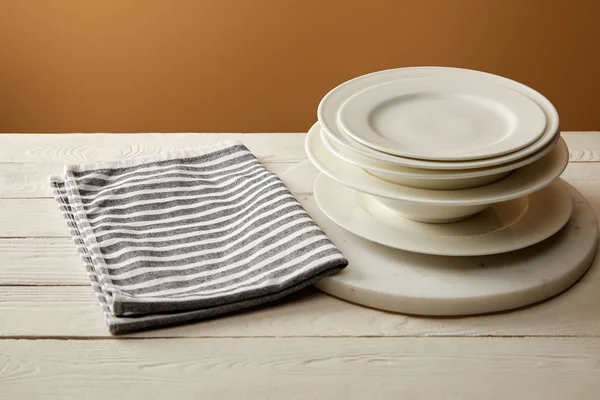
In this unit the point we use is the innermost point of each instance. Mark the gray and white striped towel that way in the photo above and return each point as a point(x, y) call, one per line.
point(189, 235)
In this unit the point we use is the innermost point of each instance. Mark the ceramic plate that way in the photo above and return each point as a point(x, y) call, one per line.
point(504, 227)
point(521, 182)
point(418, 173)
point(441, 119)
point(330, 104)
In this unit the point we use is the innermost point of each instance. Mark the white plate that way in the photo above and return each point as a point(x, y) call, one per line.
point(419, 178)
point(442, 119)
point(432, 178)
point(331, 103)
point(521, 182)
point(389, 279)
point(504, 227)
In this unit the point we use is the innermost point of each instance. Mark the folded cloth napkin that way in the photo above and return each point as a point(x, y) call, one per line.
point(189, 235)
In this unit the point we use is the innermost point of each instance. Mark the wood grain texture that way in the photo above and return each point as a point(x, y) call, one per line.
point(23, 218)
point(294, 368)
point(73, 311)
point(31, 217)
point(288, 147)
point(30, 180)
point(40, 261)
point(40, 217)
point(308, 344)
point(26, 176)
point(79, 148)
point(583, 146)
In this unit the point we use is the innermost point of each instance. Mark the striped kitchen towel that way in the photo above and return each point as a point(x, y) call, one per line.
point(189, 235)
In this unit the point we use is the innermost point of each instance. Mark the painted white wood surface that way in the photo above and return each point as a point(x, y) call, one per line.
point(85, 148)
point(72, 311)
point(25, 217)
point(25, 180)
point(309, 343)
point(27, 160)
point(53, 261)
point(299, 368)
point(82, 148)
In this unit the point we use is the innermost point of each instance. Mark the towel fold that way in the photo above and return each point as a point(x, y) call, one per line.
point(189, 235)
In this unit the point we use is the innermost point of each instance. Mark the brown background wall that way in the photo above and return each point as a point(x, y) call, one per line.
point(263, 65)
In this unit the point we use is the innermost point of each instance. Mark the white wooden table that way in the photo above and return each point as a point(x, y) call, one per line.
point(54, 344)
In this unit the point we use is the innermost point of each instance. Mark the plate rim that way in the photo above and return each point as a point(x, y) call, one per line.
point(443, 173)
point(524, 108)
point(455, 197)
point(525, 239)
point(552, 118)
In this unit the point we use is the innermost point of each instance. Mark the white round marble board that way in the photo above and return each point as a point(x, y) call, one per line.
point(412, 283)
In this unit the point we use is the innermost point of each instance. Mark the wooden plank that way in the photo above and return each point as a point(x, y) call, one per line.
point(41, 217)
point(30, 180)
point(31, 217)
point(294, 368)
point(583, 146)
point(40, 261)
point(27, 180)
point(72, 311)
point(53, 311)
point(582, 172)
point(85, 148)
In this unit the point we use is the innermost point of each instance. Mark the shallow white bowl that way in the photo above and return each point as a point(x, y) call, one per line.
point(438, 206)
point(503, 227)
point(431, 213)
point(432, 178)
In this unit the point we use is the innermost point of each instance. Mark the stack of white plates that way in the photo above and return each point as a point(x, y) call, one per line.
point(465, 138)
point(440, 161)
